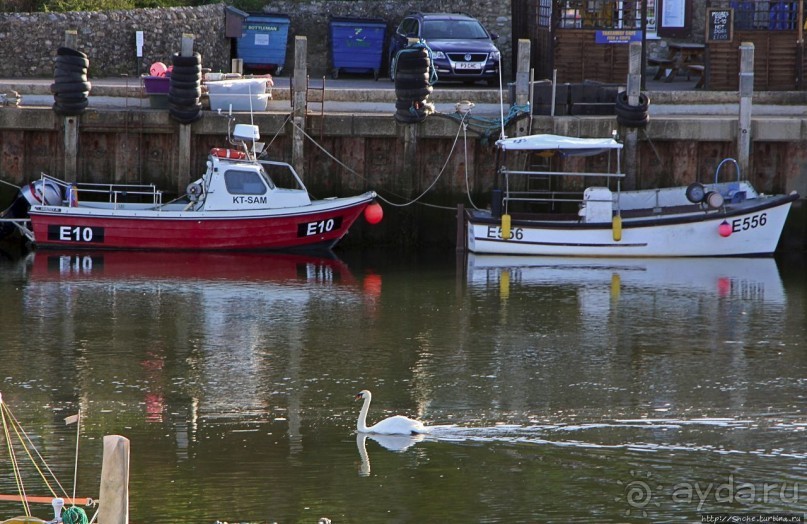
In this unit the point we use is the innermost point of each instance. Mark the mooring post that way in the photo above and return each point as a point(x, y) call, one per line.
point(184, 159)
point(71, 124)
point(406, 182)
point(632, 135)
point(237, 66)
point(746, 103)
point(523, 86)
point(114, 492)
point(299, 94)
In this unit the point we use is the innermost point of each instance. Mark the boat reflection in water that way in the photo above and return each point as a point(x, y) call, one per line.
point(755, 279)
point(184, 266)
point(672, 297)
point(239, 317)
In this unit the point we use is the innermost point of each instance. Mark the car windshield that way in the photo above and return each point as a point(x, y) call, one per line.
point(452, 29)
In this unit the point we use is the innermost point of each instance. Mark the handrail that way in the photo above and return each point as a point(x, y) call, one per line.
point(113, 190)
point(562, 173)
point(736, 166)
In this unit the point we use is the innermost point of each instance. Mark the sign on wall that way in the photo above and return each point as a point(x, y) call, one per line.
point(719, 25)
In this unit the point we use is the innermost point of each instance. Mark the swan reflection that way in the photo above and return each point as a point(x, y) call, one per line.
point(396, 443)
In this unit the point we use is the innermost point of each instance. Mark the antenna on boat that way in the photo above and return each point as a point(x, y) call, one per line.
point(501, 101)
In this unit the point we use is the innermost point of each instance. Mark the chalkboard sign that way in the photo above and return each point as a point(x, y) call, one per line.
point(720, 25)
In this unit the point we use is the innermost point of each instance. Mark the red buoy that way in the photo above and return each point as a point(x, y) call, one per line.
point(724, 229)
point(373, 213)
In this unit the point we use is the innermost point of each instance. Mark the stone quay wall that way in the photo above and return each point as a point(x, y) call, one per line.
point(28, 41)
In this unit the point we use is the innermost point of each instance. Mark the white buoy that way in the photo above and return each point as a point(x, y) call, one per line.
point(58, 504)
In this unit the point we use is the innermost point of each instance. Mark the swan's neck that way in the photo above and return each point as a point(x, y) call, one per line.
point(361, 425)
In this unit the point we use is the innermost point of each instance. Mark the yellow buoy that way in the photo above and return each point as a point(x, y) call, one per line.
point(506, 234)
point(616, 226)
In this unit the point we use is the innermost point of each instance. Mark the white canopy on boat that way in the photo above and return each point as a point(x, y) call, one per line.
point(566, 144)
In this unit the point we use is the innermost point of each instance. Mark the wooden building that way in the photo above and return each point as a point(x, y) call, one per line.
point(582, 40)
point(776, 28)
point(585, 40)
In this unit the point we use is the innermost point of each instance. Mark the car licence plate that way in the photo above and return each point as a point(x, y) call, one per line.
point(467, 65)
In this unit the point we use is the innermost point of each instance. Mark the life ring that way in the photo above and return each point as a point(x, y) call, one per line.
point(222, 152)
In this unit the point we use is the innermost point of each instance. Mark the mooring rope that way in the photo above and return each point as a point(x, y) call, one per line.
point(13, 457)
point(23, 437)
point(387, 201)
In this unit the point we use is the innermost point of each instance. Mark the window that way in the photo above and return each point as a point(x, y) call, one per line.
point(601, 14)
point(244, 182)
point(762, 15)
point(409, 27)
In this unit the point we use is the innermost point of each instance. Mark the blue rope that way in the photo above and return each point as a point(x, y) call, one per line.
point(487, 126)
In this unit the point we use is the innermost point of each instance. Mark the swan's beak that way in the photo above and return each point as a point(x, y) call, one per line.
point(358, 396)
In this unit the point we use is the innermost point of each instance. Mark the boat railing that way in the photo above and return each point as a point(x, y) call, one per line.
point(114, 193)
point(727, 161)
point(543, 195)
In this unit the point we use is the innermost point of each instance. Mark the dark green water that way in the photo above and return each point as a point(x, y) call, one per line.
point(561, 391)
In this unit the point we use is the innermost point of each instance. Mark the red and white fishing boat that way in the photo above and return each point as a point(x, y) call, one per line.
point(237, 204)
point(543, 210)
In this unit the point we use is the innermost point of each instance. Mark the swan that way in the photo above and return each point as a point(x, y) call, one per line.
point(397, 425)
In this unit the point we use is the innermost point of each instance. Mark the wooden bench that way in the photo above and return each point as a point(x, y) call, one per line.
point(698, 69)
point(663, 65)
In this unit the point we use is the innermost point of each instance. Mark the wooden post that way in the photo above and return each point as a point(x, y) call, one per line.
point(71, 124)
point(523, 85)
point(299, 95)
point(114, 492)
point(631, 137)
point(746, 94)
point(184, 153)
point(410, 159)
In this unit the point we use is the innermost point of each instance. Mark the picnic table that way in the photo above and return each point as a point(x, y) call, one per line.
point(681, 58)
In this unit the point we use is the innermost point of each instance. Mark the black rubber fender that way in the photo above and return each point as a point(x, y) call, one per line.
point(71, 110)
point(182, 61)
point(69, 51)
point(180, 92)
point(71, 97)
point(183, 102)
point(70, 68)
point(69, 77)
point(622, 103)
point(413, 94)
point(70, 87)
point(72, 60)
point(184, 84)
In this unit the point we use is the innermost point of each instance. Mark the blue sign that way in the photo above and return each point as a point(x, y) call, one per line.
point(618, 36)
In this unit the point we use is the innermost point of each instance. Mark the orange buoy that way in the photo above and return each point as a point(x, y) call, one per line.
point(373, 213)
point(222, 152)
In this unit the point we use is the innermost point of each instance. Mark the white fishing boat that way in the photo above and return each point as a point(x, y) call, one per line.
point(551, 210)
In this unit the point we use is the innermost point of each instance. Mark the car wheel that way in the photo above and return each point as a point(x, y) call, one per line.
point(393, 63)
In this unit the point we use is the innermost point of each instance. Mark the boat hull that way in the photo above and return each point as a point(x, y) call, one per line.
point(320, 225)
point(755, 229)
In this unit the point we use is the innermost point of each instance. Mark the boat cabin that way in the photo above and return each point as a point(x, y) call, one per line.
point(241, 183)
